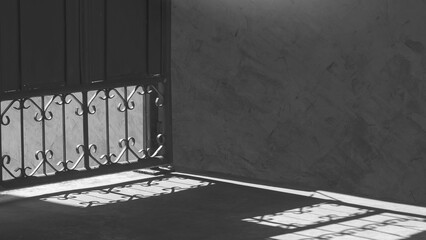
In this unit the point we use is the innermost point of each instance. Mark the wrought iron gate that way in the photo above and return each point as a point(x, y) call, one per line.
point(99, 119)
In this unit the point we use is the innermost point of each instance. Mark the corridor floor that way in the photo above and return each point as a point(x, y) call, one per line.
point(131, 205)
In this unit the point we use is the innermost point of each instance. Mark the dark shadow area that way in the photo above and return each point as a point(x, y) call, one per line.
point(181, 207)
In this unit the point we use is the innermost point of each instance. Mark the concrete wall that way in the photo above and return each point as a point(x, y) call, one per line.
point(323, 94)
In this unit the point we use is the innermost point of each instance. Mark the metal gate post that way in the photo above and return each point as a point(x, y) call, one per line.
point(86, 130)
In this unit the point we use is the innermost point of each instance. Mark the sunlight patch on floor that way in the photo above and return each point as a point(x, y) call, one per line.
point(70, 185)
point(340, 222)
point(126, 192)
point(309, 215)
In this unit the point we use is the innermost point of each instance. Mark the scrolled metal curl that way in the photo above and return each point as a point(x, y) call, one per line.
point(108, 95)
point(23, 171)
point(108, 158)
point(48, 154)
point(160, 99)
point(43, 113)
point(64, 164)
point(127, 142)
point(5, 120)
point(63, 99)
point(126, 104)
point(6, 160)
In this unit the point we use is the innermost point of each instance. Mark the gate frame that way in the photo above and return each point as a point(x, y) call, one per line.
point(84, 88)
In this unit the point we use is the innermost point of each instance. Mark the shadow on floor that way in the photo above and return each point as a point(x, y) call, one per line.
point(182, 207)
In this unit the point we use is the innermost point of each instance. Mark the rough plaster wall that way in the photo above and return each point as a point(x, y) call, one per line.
point(324, 94)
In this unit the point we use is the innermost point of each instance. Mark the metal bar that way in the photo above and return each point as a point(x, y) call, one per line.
point(108, 156)
point(126, 125)
point(21, 112)
point(43, 137)
point(86, 131)
point(145, 122)
point(83, 87)
point(153, 119)
point(148, 106)
point(64, 134)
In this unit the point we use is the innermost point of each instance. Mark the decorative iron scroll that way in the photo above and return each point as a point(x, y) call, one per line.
point(75, 110)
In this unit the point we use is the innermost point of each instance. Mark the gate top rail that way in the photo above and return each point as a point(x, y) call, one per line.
point(54, 90)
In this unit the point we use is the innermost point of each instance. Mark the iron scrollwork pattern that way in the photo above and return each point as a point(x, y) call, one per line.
point(47, 160)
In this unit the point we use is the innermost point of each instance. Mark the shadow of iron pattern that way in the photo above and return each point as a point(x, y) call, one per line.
point(126, 192)
point(337, 221)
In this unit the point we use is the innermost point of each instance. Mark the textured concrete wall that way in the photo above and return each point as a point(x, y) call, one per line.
point(324, 94)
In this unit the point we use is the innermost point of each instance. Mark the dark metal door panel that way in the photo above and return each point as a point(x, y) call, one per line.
point(93, 40)
point(72, 42)
point(39, 44)
point(155, 37)
point(122, 40)
point(42, 26)
point(58, 44)
point(9, 45)
point(91, 63)
point(126, 38)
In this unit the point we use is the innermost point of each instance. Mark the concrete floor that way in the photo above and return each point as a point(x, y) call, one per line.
point(131, 205)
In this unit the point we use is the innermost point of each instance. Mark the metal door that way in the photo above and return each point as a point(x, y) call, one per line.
point(84, 85)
